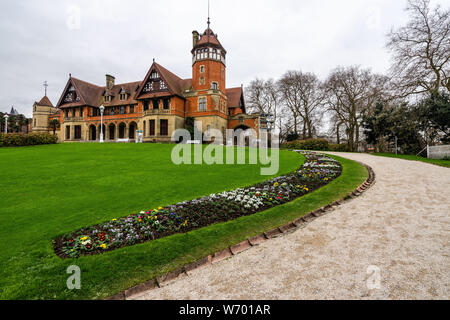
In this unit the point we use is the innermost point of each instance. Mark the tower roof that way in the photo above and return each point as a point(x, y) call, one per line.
point(208, 38)
point(45, 101)
point(13, 112)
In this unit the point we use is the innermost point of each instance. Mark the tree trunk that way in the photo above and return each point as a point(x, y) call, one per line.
point(338, 133)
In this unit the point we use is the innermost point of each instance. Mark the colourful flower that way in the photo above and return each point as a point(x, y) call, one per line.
point(103, 246)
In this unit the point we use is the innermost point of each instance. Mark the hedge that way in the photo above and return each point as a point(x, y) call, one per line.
point(315, 145)
point(23, 139)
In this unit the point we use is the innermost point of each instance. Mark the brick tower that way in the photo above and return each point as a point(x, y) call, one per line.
point(208, 103)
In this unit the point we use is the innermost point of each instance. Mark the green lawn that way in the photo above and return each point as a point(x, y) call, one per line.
point(442, 163)
point(50, 190)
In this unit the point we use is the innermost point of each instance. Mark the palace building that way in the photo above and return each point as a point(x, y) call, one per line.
point(156, 105)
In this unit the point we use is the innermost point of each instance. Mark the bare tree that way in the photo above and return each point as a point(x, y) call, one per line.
point(254, 95)
point(351, 94)
point(303, 95)
point(263, 96)
point(421, 50)
point(312, 98)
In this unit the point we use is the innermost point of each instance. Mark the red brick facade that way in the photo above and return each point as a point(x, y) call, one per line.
point(157, 105)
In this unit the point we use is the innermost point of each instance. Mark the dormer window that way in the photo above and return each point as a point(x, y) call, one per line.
point(123, 96)
point(108, 98)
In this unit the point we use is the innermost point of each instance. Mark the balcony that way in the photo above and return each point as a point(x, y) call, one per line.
point(152, 112)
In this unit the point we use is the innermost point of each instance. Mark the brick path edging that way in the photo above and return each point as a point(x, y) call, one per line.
point(246, 244)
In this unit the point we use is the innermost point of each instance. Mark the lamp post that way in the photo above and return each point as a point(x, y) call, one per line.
point(102, 109)
point(6, 123)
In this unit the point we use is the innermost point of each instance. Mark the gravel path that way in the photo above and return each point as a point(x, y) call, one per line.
point(397, 232)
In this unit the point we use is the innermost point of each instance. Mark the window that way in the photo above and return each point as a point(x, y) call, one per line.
point(151, 127)
point(202, 104)
point(67, 132)
point(202, 80)
point(95, 112)
point(81, 112)
point(34, 122)
point(202, 69)
point(145, 105)
point(123, 96)
point(122, 110)
point(77, 132)
point(214, 86)
point(131, 109)
point(148, 87)
point(164, 127)
point(108, 98)
point(162, 85)
point(145, 122)
point(166, 104)
point(154, 75)
point(66, 113)
point(156, 104)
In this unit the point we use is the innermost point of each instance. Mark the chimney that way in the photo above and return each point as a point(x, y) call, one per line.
point(109, 81)
point(195, 36)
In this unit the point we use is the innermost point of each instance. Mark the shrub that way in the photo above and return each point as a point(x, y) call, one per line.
point(292, 137)
point(309, 144)
point(22, 139)
point(339, 147)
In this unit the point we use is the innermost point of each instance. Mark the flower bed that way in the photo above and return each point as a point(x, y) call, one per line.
point(185, 216)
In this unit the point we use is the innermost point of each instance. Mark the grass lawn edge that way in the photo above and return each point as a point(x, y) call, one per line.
point(436, 162)
point(217, 237)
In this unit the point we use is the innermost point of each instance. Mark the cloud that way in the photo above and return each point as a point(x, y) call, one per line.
point(48, 39)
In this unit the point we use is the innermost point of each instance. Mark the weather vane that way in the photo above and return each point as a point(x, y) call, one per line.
point(45, 87)
point(208, 16)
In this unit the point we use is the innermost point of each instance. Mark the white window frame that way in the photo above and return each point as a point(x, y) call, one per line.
point(200, 103)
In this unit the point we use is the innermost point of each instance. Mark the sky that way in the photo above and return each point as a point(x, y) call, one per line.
point(46, 40)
